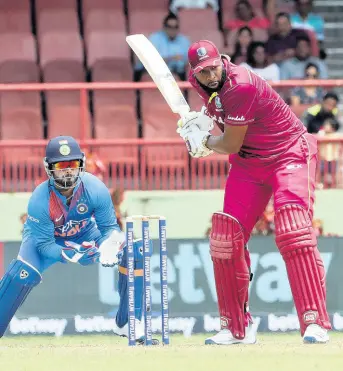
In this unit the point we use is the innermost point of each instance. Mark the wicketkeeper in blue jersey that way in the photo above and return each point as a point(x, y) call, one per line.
point(71, 219)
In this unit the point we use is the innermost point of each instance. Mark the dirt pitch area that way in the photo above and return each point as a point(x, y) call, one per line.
point(277, 352)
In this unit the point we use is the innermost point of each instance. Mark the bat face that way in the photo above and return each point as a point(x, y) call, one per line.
point(159, 72)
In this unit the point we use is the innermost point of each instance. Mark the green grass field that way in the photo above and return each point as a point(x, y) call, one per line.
point(275, 352)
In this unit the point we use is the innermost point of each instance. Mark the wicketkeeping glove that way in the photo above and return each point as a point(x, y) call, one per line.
point(84, 254)
point(110, 248)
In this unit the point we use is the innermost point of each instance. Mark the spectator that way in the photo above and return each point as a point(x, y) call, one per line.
point(294, 68)
point(281, 44)
point(329, 153)
point(244, 38)
point(304, 18)
point(176, 5)
point(308, 94)
point(171, 45)
point(257, 61)
point(315, 116)
point(245, 16)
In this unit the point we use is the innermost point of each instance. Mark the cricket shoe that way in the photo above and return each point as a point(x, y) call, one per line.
point(315, 334)
point(225, 337)
point(140, 336)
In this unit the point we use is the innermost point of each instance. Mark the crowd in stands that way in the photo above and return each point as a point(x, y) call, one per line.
point(84, 40)
point(277, 45)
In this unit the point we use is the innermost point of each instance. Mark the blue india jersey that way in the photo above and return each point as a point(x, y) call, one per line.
point(50, 221)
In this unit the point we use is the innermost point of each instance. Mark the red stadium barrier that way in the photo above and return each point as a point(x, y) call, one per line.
point(157, 163)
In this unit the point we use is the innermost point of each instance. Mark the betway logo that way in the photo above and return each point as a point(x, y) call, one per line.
point(237, 118)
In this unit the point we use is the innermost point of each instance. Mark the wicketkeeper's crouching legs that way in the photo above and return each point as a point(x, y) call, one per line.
point(19, 279)
point(232, 273)
point(297, 243)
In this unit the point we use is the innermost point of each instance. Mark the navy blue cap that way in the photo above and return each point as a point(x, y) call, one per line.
point(63, 148)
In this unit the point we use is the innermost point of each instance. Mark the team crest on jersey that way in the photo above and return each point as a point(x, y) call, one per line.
point(201, 52)
point(82, 208)
point(217, 102)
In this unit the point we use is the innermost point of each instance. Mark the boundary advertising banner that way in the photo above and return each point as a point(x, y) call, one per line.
point(72, 299)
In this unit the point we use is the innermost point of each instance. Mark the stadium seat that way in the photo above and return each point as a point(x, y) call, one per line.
point(88, 5)
point(62, 61)
point(63, 107)
point(159, 122)
point(57, 20)
point(60, 46)
point(42, 5)
point(20, 112)
point(115, 118)
point(146, 21)
point(109, 51)
point(20, 119)
point(18, 58)
point(103, 15)
point(15, 16)
point(134, 5)
point(197, 19)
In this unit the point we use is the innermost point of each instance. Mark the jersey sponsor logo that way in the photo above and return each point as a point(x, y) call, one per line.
point(236, 118)
point(82, 208)
point(71, 228)
point(32, 219)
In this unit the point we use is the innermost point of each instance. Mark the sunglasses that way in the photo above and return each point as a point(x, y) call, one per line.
point(172, 27)
point(311, 75)
point(74, 164)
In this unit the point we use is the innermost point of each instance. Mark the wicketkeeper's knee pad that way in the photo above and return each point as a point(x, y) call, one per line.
point(231, 271)
point(122, 314)
point(297, 243)
point(15, 286)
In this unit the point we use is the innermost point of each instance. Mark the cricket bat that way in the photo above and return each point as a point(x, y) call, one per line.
point(159, 72)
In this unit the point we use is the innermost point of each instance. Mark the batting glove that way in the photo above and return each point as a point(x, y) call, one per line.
point(195, 140)
point(199, 119)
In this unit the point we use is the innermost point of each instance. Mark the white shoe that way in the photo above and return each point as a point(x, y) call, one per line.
point(315, 334)
point(224, 337)
point(140, 335)
point(124, 331)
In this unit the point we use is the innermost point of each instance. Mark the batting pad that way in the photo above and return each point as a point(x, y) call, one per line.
point(16, 284)
point(231, 272)
point(297, 243)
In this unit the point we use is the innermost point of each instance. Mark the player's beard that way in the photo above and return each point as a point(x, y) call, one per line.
point(67, 182)
point(220, 85)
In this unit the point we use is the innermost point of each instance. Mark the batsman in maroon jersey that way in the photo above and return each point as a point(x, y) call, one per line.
point(271, 153)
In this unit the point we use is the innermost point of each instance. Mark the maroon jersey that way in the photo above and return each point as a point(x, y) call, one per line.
point(247, 99)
